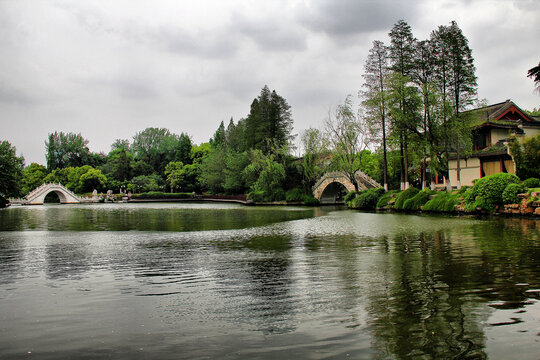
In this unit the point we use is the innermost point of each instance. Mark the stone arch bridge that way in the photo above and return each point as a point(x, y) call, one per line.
point(332, 186)
point(37, 196)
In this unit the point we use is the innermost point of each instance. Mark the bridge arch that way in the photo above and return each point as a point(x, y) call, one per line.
point(66, 196)
point(330, 180)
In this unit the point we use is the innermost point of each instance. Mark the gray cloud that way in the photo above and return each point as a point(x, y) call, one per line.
point(351, 17)
point(270, 34)
point(12, 95)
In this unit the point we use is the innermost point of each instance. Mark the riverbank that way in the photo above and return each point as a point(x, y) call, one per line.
point(499, 194)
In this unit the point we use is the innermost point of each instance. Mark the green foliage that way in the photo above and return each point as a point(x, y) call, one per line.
point(11, 170)
point(66, 150)
point(367, 199)
point(531, 183)
point(235, 163)
point(309, 200)
point(269, 122)
point(90, 180)
point(33, 176)
point(527, 157)
point(175, 174)
point(158, 147)
point(385, 198)
point(442, 202)
point(256, 196)
point(295, 195)
point(350, 196)
point(162, 195)
point(510, 193)
point(404, 196)
point(487, 191)
point(416, 202)
point(59, 176)
point(145, 183)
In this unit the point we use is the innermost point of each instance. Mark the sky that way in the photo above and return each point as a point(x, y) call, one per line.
point(109, 69)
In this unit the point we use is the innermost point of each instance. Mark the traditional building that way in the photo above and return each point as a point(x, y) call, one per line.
point(492, 126)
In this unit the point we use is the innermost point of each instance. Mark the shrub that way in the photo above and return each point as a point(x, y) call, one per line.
point(489, 189)
point(403, 196)
point(531, 183)
point(367, 199)
point(415, 203)
point(256, 196)
point(161, 195)
point(309, 200)
point(295, 194)
point(442, 202)
point(385, 198)
point(350, 196)
point(510, 193)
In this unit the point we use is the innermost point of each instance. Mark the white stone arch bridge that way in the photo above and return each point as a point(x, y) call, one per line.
point(332, 186)
point(37, 196)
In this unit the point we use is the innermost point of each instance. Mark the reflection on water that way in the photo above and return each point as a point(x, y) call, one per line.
point(265, 283)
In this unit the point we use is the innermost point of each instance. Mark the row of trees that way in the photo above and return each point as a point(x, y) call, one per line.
point(250, 155)
point(414, 96)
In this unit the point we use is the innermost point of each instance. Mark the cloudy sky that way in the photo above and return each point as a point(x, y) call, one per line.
point(108, 69)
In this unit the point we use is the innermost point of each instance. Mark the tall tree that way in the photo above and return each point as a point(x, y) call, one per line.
point(269, 121)
point(11, 170)
point(463, 81)
point(375, 95)
point(401, 53)
point(424, 76)
point(66, 149)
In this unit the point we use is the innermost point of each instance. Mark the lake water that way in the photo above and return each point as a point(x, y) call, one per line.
point(215, 281)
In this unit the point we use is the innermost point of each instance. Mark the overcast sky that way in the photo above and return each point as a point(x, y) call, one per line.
point(108, 69)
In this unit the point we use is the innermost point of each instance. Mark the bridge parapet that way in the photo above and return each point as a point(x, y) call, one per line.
point(66, 196)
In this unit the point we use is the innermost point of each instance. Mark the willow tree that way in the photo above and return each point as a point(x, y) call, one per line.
point(348, 135)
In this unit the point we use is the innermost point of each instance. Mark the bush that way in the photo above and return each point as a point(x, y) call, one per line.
point(442, 202)
point(487, 191)
point(510, 193)
point(367, 199)
point(309, 200)
point(416, 202)
point(256, 196)
point(531, 183)
point(161, 195)
point(350, 196)
point(385, 198)
point(403, 196)
point(294, 195)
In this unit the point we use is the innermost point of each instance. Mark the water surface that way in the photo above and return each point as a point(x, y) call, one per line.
point(200, 281)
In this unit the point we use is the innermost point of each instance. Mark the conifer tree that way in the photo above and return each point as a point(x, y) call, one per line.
point(401, 53)
point(374, 96)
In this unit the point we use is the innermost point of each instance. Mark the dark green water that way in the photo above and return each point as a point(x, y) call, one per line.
point(211, 281)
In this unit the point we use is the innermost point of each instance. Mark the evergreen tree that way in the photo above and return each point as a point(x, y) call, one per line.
point(375, 95)
point(463, 81)
point(401, 53)
point(269, 122)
